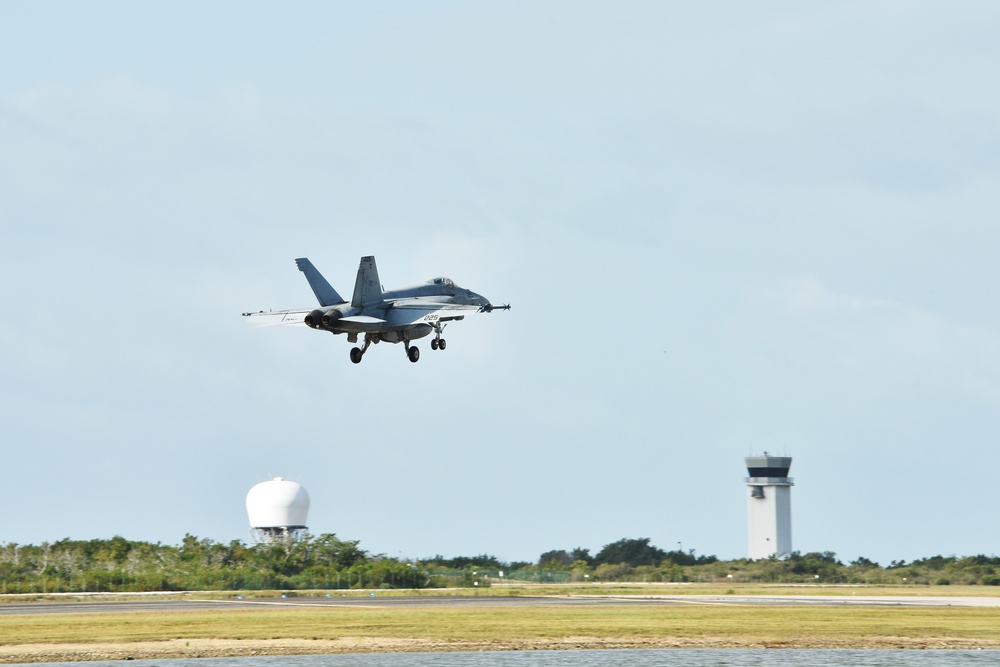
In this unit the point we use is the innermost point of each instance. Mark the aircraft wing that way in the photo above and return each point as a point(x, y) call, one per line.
point(416, 311)
point(274, 318)
point(413, 304)
point(430, 304)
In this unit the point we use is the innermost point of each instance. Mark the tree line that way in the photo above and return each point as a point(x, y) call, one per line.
point(120, 565)
point(327, 562)
point(637, 560)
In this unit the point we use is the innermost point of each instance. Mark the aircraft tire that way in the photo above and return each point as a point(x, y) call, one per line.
point(441, 344)
point(356, 355)
point(414, 354)
point(434, 343)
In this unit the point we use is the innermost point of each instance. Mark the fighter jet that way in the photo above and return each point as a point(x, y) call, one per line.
point(396, 316)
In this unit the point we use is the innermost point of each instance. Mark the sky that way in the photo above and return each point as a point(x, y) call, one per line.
point(724, 228)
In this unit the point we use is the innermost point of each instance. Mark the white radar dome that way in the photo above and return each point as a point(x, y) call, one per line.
point(278, 503)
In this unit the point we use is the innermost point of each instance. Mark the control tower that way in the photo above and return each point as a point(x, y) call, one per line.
point(769, 506)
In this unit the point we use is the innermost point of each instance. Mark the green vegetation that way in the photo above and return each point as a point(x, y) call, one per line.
point(637, 560)
point(118, 565)
point(325, 562)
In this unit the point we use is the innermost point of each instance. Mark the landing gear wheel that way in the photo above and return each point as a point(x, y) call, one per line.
point(414, 354)
point(441, 344)
point(356, 355)
point(434, 344)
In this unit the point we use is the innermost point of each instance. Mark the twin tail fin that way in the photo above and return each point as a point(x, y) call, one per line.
point(367, 288)
point(324, 292)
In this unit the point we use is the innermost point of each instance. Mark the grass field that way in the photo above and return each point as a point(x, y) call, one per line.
point(360, 629)
point(739, 624)
point(756, 624)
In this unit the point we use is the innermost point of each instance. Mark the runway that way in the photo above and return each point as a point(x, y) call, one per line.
point(92, 606)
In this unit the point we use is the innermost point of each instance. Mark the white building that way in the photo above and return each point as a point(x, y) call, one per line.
point(769, 506)
point(278, 510)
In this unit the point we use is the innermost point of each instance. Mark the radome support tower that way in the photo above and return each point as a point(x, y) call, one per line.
point(769, 506)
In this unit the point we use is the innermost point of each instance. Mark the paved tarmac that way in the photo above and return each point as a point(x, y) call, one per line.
point(92, 606)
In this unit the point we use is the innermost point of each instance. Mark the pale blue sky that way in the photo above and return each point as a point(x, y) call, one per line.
point(724, 229)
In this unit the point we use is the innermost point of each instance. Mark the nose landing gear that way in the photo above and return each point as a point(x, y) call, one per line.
point(438, 343)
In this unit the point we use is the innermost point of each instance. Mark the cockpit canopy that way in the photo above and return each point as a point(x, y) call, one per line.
point(443, 282)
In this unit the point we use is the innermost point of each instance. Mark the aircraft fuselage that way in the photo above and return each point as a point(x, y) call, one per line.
point(394, 316)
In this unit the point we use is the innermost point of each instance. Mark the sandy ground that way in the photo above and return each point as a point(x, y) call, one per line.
point(217, 648)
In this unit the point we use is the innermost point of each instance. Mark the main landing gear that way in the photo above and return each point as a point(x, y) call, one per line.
point(358, 352)
point(412, 352)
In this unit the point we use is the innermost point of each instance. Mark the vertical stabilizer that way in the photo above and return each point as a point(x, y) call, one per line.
point(367, 288)
point(323, 290)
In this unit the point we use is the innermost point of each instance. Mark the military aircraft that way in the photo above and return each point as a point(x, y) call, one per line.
point(396, 316)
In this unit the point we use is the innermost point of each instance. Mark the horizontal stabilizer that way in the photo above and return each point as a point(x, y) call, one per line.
point(324, 292)
point(273, 318)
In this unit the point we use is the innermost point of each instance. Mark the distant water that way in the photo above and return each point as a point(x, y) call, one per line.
point(602, 658)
